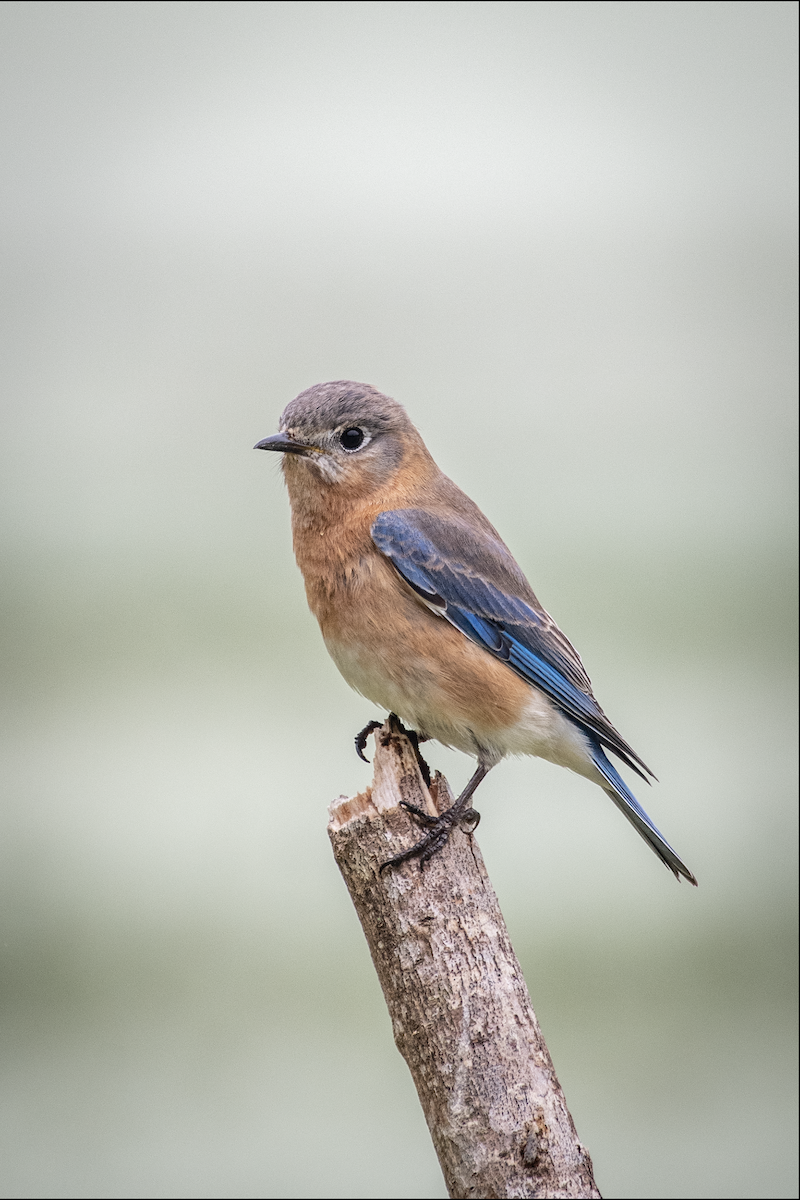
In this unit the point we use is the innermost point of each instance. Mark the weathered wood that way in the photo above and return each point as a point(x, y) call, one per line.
point(460, 1010)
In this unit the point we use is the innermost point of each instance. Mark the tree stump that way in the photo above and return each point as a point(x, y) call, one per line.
point(460, 1010)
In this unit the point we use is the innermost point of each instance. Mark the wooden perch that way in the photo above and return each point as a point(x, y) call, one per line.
point(460, 1010)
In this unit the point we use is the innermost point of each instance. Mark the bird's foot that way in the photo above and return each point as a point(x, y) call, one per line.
point(361, 738)
point(461, 813)
point(414, 737)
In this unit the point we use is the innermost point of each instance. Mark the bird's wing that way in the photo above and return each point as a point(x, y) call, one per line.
point(472, 580)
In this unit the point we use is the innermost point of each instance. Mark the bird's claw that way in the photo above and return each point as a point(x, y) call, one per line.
point(414, 737)
point(470, 820)
point(361, 738)
point(439, 830)
point(423, 817)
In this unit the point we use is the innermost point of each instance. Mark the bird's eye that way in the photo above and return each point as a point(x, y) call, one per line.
point(352, 438)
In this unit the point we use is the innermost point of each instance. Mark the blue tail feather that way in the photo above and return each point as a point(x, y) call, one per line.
point(627, 803)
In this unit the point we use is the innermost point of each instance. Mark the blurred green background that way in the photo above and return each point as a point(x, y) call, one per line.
point(562, 234)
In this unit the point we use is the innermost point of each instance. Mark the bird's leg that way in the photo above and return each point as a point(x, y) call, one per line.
point(439, 828)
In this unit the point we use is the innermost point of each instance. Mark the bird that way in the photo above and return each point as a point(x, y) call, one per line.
point(426, 613)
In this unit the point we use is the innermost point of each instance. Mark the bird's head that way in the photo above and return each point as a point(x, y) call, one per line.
point(344, 436)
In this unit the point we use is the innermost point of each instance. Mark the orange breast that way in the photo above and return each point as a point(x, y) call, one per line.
point(399, 654)
point(383, 639)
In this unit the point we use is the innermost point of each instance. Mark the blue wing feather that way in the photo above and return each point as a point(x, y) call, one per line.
point(473, 580)
point(469, 576)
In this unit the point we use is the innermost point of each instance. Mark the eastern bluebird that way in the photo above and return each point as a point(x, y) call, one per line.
point(424, 610)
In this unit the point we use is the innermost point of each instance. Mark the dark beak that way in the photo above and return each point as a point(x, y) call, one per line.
point(279, 441)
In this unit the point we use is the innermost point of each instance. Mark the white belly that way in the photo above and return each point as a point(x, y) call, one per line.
point(542, 730)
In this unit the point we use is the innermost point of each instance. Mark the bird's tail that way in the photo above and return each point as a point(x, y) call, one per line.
point(627, 803)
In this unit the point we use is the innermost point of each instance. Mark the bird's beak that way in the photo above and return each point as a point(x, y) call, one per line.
point(286, 445)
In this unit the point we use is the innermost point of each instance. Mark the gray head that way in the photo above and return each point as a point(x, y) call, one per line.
point(344, 432)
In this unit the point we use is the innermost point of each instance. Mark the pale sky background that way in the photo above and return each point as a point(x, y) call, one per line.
point(563, 235)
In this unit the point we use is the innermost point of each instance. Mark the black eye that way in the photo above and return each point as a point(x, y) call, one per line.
point(352, 438)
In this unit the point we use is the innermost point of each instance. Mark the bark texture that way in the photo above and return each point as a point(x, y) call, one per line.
point(460, 1010)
